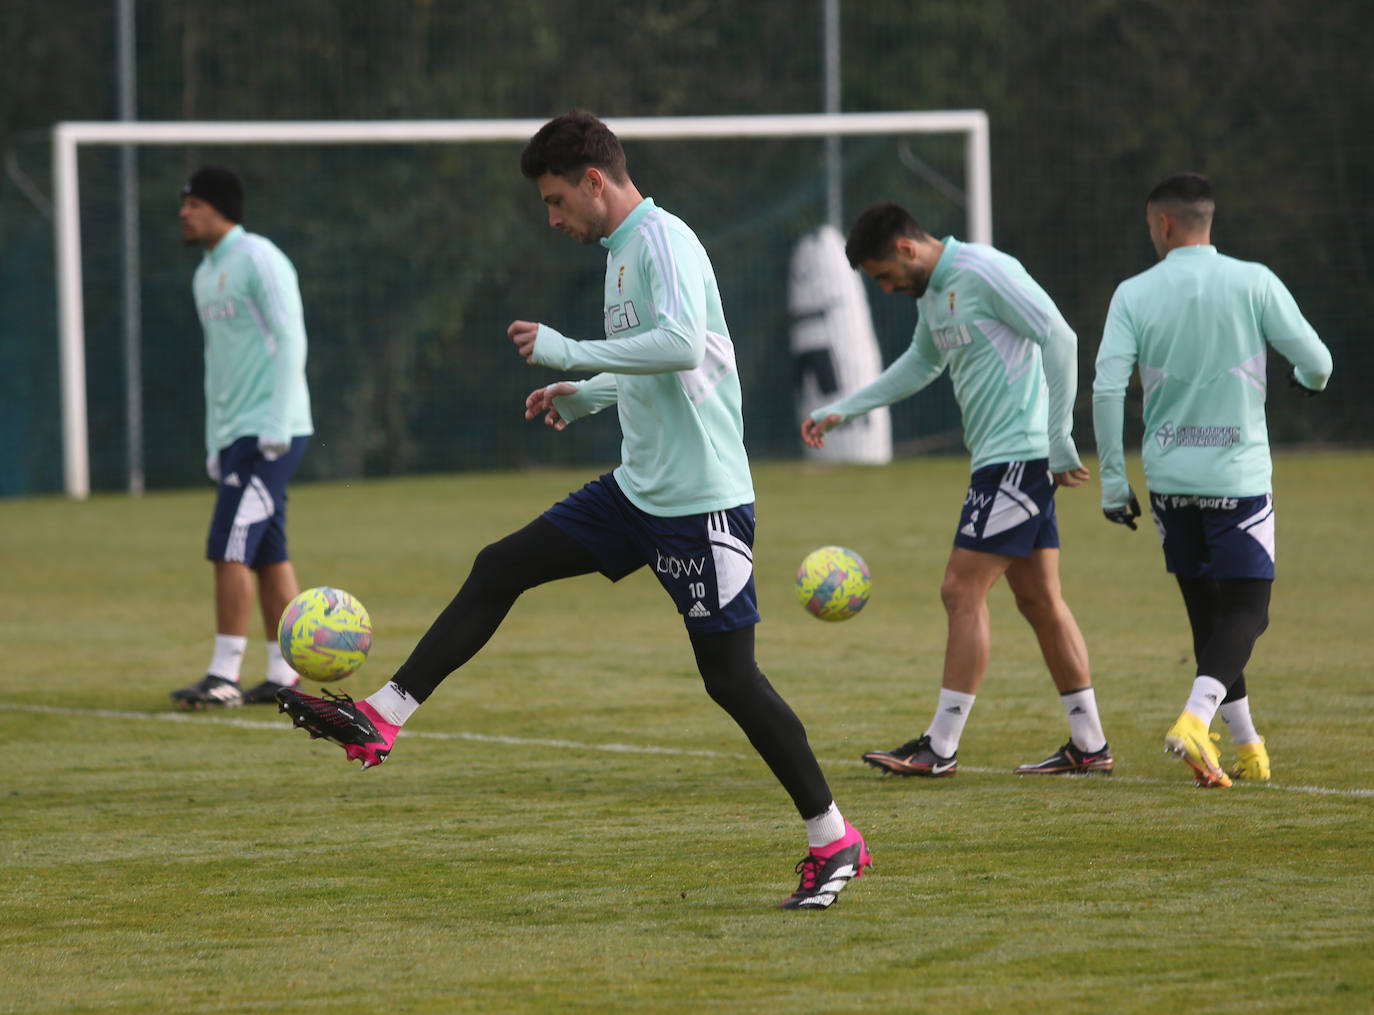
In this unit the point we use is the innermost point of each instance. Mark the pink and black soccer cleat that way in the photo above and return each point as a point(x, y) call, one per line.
point(355, 726)
point(827, 869)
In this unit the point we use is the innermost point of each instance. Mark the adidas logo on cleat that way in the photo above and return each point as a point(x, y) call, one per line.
point(698, 612)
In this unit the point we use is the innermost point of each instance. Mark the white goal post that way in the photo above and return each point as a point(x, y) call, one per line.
point(68, 137)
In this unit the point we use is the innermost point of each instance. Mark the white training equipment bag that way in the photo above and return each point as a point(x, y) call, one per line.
point(834, 348)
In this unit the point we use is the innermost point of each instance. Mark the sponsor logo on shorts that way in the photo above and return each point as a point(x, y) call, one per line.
point(1174, 500)
point(1168, 436)
point(676, 567)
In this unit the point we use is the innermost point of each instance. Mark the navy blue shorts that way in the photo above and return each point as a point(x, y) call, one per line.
point(1009, 509)
point(705, 561)
point(249, 523)
point(1215, 537)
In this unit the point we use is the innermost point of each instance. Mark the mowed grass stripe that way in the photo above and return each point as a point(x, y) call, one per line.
point(577, 745)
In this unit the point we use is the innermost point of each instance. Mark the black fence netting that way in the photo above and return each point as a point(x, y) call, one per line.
point(413, 258)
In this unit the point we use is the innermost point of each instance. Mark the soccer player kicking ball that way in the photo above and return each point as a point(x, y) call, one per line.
point(1013, 362)
point(1197, 323)
point(682, 495)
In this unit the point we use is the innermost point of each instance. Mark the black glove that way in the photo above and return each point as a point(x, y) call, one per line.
point(1293, 382)
point(1124, 515)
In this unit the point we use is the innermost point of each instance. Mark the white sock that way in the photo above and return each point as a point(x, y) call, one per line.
point(1238, 721)
point(1085, 725)
point(228, 657)
point(279, 671)
point(825, 827)
point(1207, 695)
point(948, 725)
point(393, 704)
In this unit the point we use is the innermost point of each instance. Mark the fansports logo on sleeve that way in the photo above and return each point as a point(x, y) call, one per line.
point(1169, 435)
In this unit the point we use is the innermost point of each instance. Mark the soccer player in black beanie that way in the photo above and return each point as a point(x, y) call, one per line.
point(219, 187)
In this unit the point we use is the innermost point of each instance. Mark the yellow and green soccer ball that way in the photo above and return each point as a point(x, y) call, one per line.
point(833, 583)
point(325, 634)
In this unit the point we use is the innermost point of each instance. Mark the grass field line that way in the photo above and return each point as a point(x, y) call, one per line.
point(490, 738)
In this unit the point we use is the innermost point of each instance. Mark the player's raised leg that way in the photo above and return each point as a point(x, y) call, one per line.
point(367, 730)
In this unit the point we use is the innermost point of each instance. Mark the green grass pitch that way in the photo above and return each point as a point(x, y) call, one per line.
point(569, 825)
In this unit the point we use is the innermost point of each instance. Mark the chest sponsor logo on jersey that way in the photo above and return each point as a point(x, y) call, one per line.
point(676, 567)
point(621, 317)
point(951, 338)
point(220, 310)
point(1171, 436)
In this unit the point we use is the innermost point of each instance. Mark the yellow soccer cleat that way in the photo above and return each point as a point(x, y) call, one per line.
point(1188, 738)
point(1252, 762)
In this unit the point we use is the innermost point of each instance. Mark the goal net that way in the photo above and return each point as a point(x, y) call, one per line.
point(416, 243)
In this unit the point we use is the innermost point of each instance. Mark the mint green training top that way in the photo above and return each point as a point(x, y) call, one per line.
point(667, 364)
point(249, 304)
point(1012, 358)
point(1197, 324)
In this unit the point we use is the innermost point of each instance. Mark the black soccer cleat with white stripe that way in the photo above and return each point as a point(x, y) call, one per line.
point(827, 869)
point(209, 692)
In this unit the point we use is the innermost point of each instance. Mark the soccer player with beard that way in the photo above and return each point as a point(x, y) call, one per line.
point(681, 501)
point(1013, 361)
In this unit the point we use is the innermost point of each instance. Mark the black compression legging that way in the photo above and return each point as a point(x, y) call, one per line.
point(542, 552)
point(735, 683)
point(1227, 618)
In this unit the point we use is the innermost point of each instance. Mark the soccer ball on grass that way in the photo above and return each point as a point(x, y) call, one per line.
point(325, 634)
point(833, 583)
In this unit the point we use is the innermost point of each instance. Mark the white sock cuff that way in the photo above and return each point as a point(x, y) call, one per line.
point(1085, 725)
point(1084, 697)
point(950, 698)
point(825, 827)
point(1205, 698)
point(227, 659)
point(947, 727)
point(393, 704)
point(1239, 722)
point(279, 671)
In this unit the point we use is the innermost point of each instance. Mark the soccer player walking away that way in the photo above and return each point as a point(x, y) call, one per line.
point(1014, 364)
point(681, 500)
point(257, 419)
point(1197, 324)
